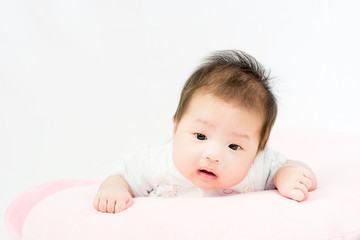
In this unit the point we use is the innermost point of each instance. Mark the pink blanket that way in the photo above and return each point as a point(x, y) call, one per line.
point(63, 209)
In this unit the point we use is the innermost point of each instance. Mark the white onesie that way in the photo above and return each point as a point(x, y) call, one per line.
point(150, 171)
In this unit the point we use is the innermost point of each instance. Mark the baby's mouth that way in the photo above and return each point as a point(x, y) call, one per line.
point(207, 173)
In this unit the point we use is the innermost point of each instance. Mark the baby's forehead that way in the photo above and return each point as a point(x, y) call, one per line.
point(205, 105)
point(237, 103)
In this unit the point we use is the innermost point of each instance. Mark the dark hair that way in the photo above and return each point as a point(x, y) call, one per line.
point(235, 77)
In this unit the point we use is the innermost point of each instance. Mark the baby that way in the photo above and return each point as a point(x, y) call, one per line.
point(221, 127)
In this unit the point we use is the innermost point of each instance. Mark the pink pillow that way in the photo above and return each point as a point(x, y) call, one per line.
point(63, 209)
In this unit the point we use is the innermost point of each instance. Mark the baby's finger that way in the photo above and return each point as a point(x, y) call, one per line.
point(123, 204)
point(96, 203)
point(306, 196)
point(297, 195)
point(129, 202)
point(306, 181)
point(110, 206)
point(302, 188)
point(307, 173)
point(119, 206)
point(102, 205)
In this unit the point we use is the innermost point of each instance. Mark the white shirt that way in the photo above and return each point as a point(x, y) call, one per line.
point(150, 171)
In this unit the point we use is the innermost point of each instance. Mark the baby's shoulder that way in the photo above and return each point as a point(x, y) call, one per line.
point(161, 151)
point(268, 157)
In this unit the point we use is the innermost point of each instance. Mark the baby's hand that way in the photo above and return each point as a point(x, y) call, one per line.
point(112, 199)
point(294, 182)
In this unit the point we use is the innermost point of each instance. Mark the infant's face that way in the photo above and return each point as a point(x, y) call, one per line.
point(215, 142)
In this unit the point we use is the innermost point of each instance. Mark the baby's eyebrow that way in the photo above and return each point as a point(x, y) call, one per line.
point(235, 134)
point(240, 135)
point(203, 121)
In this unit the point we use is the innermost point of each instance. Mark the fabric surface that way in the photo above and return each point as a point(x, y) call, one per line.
point(331, 212)
point(20, 208)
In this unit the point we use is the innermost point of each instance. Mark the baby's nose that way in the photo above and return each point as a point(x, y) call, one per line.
point(213, 155)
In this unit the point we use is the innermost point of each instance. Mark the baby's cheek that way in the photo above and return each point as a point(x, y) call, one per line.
point(184, 164)
point(232, 178)
point(237, 173)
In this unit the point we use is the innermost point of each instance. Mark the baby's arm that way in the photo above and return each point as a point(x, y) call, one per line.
point(114, 195)
point(294, 180)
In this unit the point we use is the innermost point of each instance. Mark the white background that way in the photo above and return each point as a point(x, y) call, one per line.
point(82, 82)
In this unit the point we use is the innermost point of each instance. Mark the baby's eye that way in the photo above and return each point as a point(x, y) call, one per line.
point(200, 136)
point(234, 147)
